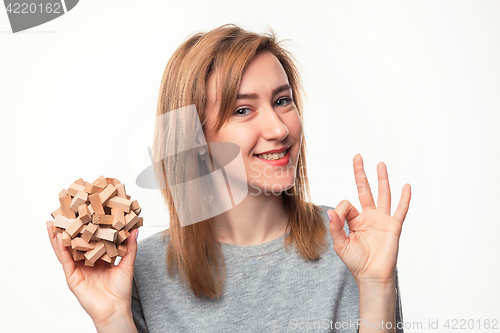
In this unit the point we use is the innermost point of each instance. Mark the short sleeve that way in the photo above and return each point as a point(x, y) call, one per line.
point(137, 313)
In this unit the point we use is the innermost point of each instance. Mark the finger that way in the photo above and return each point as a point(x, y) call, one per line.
point(346, 211)
point(337, 232)
point(66, 259)
point(404, 203)
point(384, 190)
point(127, 262)
point(53, 240)
point(364, 191)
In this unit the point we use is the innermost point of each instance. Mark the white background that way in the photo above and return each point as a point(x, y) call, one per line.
point(413, 84)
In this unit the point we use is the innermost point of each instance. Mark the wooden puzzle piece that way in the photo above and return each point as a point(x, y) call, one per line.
point(95, 219)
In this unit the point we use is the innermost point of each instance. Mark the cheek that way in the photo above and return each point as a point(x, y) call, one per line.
point(294, 125)
point(244, 137)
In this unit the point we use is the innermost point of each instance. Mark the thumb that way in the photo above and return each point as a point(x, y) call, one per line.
point(337, 232)
point(127, 262)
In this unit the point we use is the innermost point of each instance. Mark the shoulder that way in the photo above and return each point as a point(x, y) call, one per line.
point(151, 249)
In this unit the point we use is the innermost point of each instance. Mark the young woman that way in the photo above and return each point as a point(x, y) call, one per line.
point(268, 264)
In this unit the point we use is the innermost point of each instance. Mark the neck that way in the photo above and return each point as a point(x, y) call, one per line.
point(256, 220)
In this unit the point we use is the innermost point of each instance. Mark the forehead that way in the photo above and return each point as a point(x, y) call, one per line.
point(265, 71)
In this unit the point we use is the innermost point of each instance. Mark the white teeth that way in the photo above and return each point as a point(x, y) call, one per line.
point(275, 156)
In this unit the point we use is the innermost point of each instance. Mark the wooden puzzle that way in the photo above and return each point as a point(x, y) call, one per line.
point(95, 219)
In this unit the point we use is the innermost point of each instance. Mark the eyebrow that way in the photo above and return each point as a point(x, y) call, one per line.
point(255, 96)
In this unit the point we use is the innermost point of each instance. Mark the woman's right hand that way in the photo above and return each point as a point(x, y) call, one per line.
point(105, 290)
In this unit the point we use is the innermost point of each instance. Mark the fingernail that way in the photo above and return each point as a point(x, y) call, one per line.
point(329, 216)
point(137, 234)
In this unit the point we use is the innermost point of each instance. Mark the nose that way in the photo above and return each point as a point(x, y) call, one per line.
point(273, 127)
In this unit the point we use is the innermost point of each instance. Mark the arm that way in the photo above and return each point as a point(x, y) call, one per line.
point(377, 309)
point(370, 251)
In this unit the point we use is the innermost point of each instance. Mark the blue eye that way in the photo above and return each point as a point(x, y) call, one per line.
point(284, 101)
point(239, 110)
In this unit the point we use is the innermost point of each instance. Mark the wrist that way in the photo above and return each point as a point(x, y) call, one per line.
point(377, 304)
point(120, 321)
point(379, 294)
point(379, 285)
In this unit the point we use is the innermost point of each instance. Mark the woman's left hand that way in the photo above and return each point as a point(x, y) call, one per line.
point(370, 252)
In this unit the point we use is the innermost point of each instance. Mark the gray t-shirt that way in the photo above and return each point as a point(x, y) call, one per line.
point(267, 289)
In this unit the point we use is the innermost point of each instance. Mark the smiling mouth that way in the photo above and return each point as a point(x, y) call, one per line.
point(274, 156)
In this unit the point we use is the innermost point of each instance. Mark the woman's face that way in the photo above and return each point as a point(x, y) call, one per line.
point(264, 119)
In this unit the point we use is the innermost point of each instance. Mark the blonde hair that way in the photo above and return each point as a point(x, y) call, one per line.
point(193, 251)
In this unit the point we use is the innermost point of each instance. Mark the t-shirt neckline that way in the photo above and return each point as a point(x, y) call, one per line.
point(253, 250)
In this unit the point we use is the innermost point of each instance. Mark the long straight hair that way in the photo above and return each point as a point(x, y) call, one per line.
point(193, 251)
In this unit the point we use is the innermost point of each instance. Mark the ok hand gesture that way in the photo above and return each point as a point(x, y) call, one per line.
point(370, 252)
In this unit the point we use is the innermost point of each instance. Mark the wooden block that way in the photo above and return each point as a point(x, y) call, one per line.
point(107, 258)
point(135, 205)
point(103, 220)
point(79, 199)
point(84, 213)
point(91, 210)
point(79, 182)
point(66, 239)
point(88, 231)
point(119, 218)
point(73, 189)
point(109, 191)
point(111, 249)
point(118, 222)
point(128, 197)
point(88, 263)
point(75, 227)
point(120, 188)
point(120, 203)
point(66, 207)
point(56, 230)
point(122, 235)
point(98, 180)
point(81, 245)
point(122, 249)
point(101, 182)
point(77, 255)
point(107, 210)
point(106, 234)
point(92, 188)
point(58, 211)
point(110, 181)
point(62, 222)
point(96, 253)
point(95, 202)
point(63, 193)
point(138, 224)
point(130, 220)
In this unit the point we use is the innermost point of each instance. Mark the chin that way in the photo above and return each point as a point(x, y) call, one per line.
point(270, 188)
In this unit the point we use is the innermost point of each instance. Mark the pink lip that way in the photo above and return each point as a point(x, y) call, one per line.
point(274, 151)
point(281, 162)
